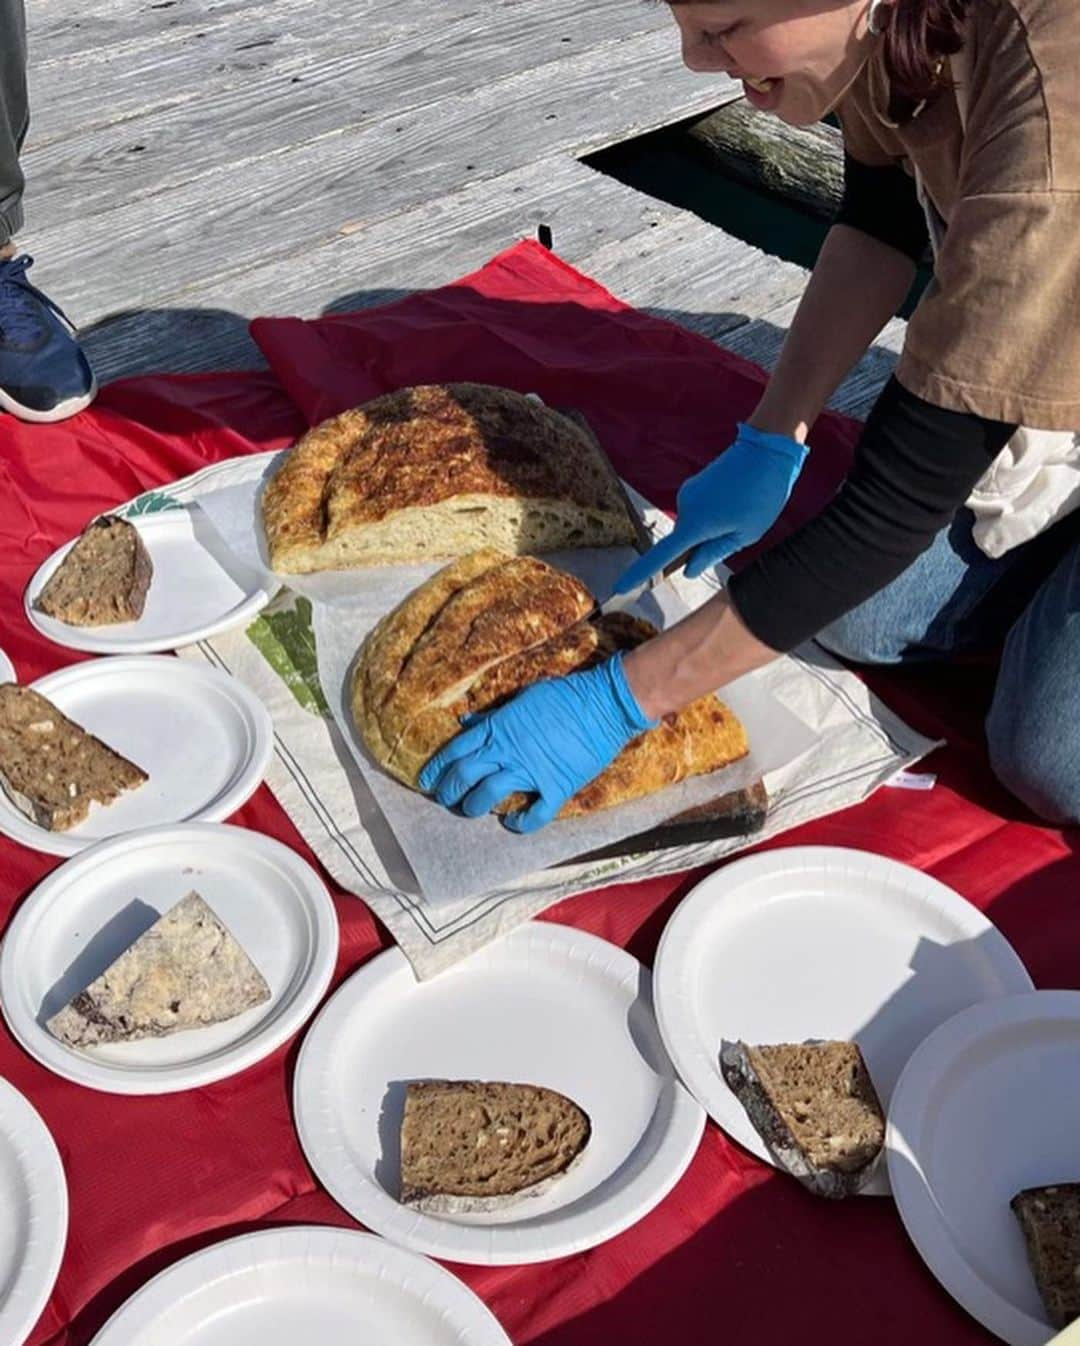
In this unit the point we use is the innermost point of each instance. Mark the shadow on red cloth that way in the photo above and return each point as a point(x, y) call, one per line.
point(776, 1264)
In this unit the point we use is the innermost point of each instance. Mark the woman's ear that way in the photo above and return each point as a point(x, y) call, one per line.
point(878, 15)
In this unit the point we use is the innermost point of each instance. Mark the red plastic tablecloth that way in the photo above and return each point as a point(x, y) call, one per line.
point(735, 1253)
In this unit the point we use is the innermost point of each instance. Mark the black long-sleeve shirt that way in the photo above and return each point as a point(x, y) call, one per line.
point(915, 465)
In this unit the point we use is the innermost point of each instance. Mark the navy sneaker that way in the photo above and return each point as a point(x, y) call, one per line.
point(44, 375)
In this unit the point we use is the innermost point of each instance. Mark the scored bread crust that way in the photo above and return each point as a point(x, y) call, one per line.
point(420, 660)
point(482, 629)
point(438, 470)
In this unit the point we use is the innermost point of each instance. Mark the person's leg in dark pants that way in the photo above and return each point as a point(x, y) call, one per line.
point(14, 118)
point(44, 375)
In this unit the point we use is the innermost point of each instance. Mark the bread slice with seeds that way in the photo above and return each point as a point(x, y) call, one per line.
point(51, 768)
point(1050, 1219)
point(104, 578)
point(815, 1107)
point(473, 1146)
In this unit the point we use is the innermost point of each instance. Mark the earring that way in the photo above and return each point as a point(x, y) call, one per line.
point(876, 6)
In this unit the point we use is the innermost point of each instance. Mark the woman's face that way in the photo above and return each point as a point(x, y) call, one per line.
point(796, 57)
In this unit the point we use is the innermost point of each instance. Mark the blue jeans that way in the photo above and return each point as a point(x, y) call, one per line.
point(956, 600)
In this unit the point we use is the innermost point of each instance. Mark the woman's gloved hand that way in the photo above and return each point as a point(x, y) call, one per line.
point(549, 741)
point(727, 506)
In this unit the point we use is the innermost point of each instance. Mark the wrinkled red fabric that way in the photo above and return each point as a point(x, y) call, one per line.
point(735, 1252)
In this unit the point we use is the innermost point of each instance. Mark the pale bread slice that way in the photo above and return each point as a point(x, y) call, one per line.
point(186, 971)
point(472, 1146)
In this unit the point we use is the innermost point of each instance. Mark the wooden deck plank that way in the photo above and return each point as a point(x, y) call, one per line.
point(353, 67)
point(288, 165)
point(60, 30)
point(380, 260)
point(694, 274)
point(221, 224)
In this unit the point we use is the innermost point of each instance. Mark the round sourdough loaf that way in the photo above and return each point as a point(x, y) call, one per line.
point(483, 628)
point(437, 471)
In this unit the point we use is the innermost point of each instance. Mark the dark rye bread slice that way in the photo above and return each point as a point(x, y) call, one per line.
point(51, 768)
point(473, 1146)
point(1050, 1219)
point(103, 579)
point(815, 1107)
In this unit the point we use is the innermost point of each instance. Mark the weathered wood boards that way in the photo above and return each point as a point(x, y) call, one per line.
point(194, 162)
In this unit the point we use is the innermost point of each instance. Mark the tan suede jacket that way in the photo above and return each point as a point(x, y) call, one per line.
point(998, 330)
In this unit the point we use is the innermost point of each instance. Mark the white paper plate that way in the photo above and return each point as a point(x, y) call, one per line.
point(33, 1215)
point(87, 912)
point(198, 589)
point(279, 1287)
point(547, 1005)
point(988, 1105)
point(7, 669)
point(202, 736)
point(820, 942)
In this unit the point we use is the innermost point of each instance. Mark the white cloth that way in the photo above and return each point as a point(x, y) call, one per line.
point(1035, 480)
point(1032, 483)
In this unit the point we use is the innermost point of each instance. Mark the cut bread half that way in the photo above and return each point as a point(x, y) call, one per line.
point(815, 1107)
point(470, 1146)
point(1050, 1219)
point(440, 470)
point(186, 971)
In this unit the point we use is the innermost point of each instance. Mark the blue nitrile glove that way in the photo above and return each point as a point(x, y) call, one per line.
point(549, 740)
point(725, 507)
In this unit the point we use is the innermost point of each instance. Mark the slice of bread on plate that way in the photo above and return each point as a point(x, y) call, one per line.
point(104, 578)
point(51, 769)
point(815, 1107)
point(186, 971)
point(471, 1146)
point(1050, 1219)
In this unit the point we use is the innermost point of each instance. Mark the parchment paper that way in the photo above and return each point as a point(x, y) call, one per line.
point(453, 857)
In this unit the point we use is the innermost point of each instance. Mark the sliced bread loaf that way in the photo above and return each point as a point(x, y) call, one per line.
point(484, 627)
point(438, 471)
point(51, 768)
point(472, 1146)
point(815, 1107)
point(186, 971)
point(1050, 1219)
point(103, 579)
